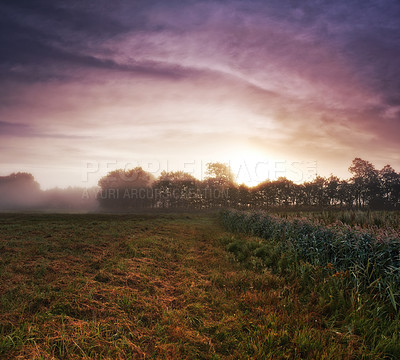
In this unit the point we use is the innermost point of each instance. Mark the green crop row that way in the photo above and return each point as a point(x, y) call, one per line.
point(371, 219)
point(371, 263)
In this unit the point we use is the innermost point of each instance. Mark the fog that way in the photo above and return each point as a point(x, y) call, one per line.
point(20, 191)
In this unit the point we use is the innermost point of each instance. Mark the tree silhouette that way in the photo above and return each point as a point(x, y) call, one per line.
point(390, 182)
point(126, 189)
point(365, 180)
point(366, 188)
point(19, 190)
point(331, 190)
point(175, 189)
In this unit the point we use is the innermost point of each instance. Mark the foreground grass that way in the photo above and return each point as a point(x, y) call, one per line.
point(149, 286)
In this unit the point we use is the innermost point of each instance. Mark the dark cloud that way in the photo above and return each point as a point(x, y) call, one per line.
point(57, 19)
point(44, 37)
point(377, 57)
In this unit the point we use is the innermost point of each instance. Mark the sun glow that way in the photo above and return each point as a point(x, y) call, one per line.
point(249, 166)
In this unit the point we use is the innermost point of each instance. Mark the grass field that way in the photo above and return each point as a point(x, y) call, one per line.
point(153, 286)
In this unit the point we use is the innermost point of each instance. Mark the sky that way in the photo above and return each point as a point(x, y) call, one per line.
point(272, 88)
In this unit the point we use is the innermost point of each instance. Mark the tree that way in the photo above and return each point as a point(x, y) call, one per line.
point(19, 190)
point(218, 185)
point(366, 182)
point(220, 174)
point(346, 194)
point(264, 195)
point(332, 190)
point(125, 178)
point(318, 191)
point(126, 189)
point(241, 197)
point(284, 191)
point(389, 180)
point(175, 189)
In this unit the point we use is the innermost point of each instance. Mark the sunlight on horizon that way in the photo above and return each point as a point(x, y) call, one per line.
point(250, 166)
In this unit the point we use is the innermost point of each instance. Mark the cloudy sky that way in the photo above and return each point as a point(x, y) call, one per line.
point(274, 87)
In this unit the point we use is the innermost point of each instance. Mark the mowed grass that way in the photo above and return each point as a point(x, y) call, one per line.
point(148, 286)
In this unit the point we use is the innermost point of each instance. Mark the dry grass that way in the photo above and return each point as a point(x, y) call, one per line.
point(147, 286)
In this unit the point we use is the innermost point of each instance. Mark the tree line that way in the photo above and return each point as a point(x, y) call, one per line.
point(137, 189)
point(368, 188)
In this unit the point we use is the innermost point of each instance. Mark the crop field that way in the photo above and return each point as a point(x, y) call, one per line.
point(350, 262)
point(371, 220)
point(194, 286)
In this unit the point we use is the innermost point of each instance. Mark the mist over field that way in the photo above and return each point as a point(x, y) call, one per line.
point(21, 192)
